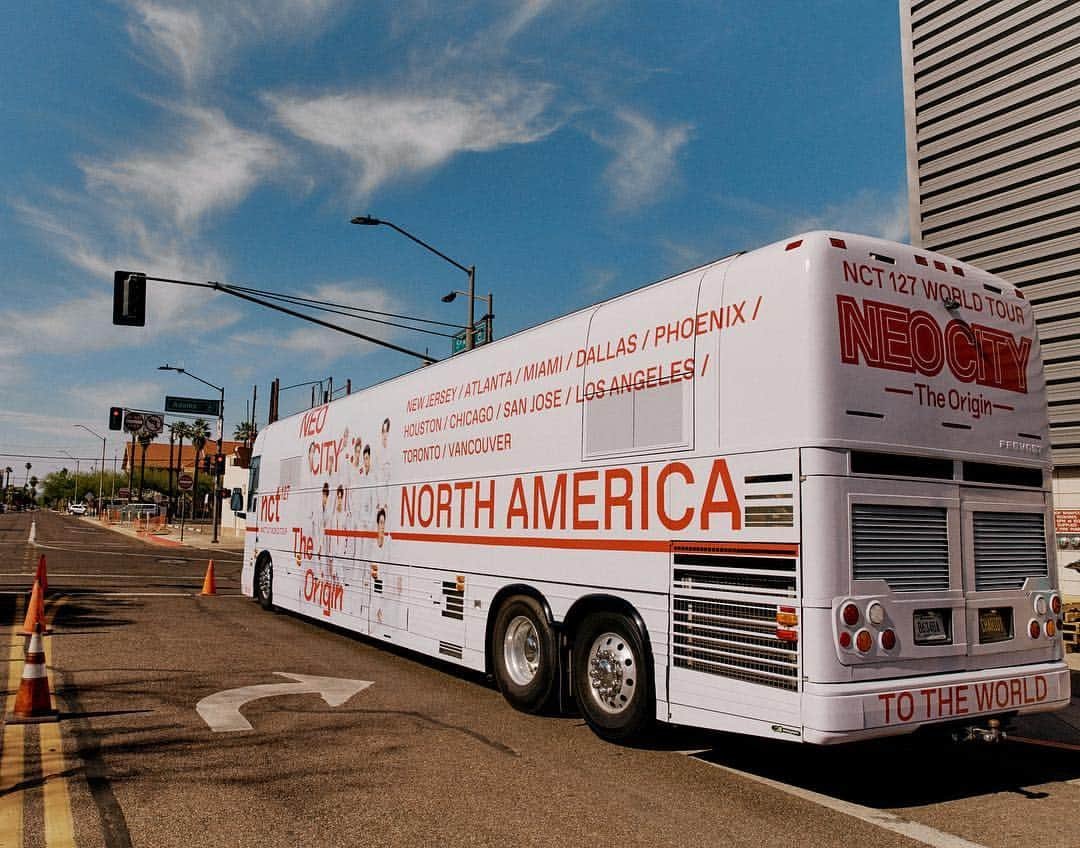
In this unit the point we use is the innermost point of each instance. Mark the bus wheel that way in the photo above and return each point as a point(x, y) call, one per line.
point(264, 583)
point(524, 654)
point(612, 678)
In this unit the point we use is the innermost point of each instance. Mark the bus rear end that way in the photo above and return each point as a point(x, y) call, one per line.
point(929, 589)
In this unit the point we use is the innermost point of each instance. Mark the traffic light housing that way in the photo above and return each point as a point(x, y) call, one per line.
point(207, 465)
point(129, 299)
point(219, 464)
point(116, 417)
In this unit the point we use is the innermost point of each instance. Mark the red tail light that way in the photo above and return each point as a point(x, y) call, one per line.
point(845, 639)
point(1055, 604)
point(1034, 629)
point(888, 639)
point(850, 614)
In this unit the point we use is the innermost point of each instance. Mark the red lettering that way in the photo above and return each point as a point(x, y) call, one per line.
point(487, 503)
point(886, 698)
point(623, 500)
point(729, 505)
point(905, 702)
point(541, 507)
point(883, 335)
point(584, 499)
point(517, 508)
point(683, 521)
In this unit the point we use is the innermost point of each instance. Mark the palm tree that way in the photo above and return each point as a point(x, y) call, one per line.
point(144, 442)
point(29, 465)
point(7, 471)
point(179, 431)
point(198, 433)
point(246, 431)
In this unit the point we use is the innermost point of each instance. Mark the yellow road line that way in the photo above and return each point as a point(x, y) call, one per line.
point(59, 825)
point(12, 756)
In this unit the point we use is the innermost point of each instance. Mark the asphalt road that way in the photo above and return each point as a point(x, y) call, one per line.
point(428, 755)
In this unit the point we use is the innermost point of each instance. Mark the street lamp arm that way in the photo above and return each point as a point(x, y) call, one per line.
point(367, 219)
point(178, 370)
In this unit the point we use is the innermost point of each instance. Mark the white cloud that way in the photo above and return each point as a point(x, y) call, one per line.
point(867, 212)
point(645, 163)
point(213, 166)
point(196, 40)
point(390, 135)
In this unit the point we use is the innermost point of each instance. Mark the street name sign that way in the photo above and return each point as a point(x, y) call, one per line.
point(192, 406)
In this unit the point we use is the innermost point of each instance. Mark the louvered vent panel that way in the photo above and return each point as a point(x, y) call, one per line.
point(1009, 548)
point(455, 600)
point(733, 639)
point(907, 547)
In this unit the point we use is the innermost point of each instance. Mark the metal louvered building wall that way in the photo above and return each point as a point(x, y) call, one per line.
point(992, 102)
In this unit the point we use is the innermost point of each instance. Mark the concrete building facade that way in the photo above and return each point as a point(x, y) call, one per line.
point(992, 111)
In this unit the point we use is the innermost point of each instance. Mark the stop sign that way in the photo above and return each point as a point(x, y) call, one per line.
point(185, 482)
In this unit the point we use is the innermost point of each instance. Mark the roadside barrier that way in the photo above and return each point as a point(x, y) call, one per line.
point(209, 587)
point(41, 577)
point(35, 612)
point(33, 702)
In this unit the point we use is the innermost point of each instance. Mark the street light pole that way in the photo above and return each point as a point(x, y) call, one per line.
point(101, 476)
point(369, 221)
point(221, 435)
point(75, 497)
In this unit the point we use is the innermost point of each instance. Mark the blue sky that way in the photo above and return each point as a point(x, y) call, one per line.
point(570, 150)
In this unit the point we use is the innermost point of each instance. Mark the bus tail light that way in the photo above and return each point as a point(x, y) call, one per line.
point(1051, 628)
point(875, 614)
point(1034, 629)
point(845, 639)
point(888, 639)
point(850, 614)
point(787, 622)
point(863, 641)
point(1055, 604)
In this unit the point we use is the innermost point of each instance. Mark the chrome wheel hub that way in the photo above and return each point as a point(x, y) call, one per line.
point(612, 672)
point(521, 651)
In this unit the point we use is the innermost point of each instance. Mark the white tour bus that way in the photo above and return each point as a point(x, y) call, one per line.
point(801, 492)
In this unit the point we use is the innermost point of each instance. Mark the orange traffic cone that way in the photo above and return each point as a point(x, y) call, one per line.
point(41, 576)
point(33, 703)
point(209, 587)
point(35, 612)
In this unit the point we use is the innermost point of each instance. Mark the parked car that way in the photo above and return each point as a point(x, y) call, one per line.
point(77, 509)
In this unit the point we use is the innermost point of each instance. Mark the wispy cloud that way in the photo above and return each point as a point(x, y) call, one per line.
point(196, 40)
point(646, 158)
point(868, 212)
point(212, 166)
point(389, 135)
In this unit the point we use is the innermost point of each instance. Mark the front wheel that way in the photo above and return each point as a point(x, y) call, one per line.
point(264, 583)
point(612, 678)
point(525, 655)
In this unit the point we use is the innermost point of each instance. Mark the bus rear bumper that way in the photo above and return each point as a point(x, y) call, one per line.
point(834, 713)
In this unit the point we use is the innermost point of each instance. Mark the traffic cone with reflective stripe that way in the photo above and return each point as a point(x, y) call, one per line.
point(41, 576)
point(209, 587)
point(33, 703)
point(35, 612)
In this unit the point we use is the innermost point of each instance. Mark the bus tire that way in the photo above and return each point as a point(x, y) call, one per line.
point(612, 678)
point(524, 654)
point(264, 583)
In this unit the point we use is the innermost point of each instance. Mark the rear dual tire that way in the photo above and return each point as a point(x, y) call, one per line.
point(612, 677)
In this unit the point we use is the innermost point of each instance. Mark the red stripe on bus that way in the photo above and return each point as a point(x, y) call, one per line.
point(637, 545)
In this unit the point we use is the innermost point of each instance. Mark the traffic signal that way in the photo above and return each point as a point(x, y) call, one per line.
point(219, 464)
point(116, 417)
point(207, 465)
point(129, 299)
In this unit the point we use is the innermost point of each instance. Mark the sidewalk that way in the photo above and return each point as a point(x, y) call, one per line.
point(194, 536)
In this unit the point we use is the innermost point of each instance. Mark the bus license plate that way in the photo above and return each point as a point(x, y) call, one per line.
point(993, 626)
point(930, 627)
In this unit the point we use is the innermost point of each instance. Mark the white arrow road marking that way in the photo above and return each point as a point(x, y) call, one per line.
point(221, 711)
